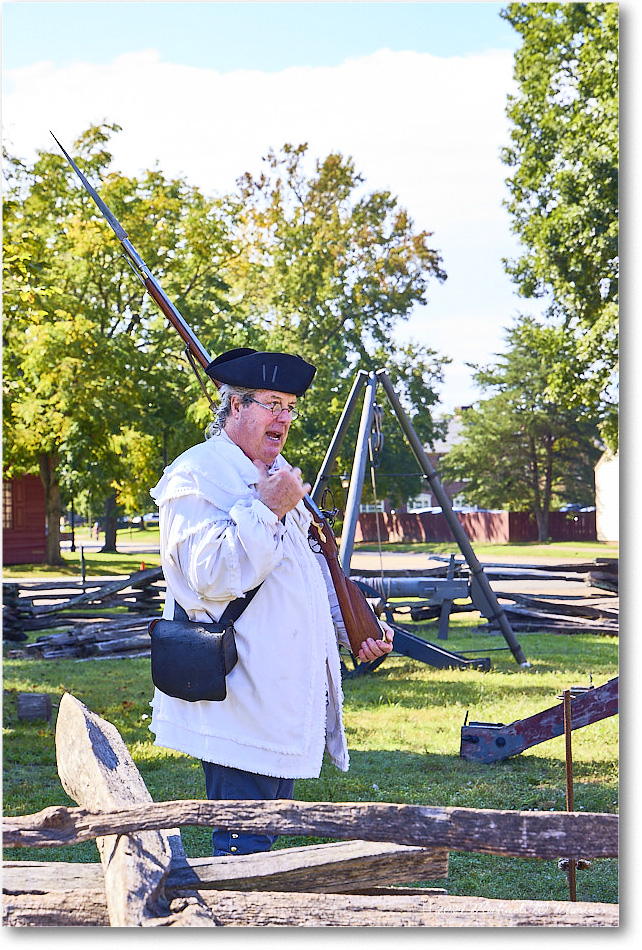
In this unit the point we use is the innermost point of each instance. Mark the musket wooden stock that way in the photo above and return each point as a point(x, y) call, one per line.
point(358, 617)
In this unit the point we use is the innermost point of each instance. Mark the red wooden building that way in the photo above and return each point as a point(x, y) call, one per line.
point(24, 521)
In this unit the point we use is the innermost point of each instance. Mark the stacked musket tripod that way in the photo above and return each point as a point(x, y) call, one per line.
point(481, 592)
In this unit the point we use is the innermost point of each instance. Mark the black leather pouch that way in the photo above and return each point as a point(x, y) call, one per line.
point(190, 659)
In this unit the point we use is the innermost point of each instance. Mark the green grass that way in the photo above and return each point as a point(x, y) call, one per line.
point(96, 564)
point(564, 550)
point(403, 724)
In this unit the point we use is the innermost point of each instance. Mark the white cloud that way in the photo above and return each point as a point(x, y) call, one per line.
point(427, 128)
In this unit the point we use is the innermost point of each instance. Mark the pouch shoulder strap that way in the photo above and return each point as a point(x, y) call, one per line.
point(231, 613)
point(236, 607)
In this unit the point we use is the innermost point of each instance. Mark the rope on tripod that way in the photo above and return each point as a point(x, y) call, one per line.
point(375, 445)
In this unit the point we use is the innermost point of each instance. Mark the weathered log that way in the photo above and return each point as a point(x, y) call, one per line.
point(78, 908)
point(278, 909)
point(40, 877)
point(550, 617)
point(570, 567)
point(44, 623)
point(301, 910)
point(141, 641)
point(604, 580)
point(592, 609)
point(559, 627)
point(97, 771)
point(513, 572)
point(103, 591)
point(524, 834)
point(335, 867)
point(43, 877)
point(339, 866)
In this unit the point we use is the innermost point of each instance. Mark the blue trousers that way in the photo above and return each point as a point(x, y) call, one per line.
point(222, 782)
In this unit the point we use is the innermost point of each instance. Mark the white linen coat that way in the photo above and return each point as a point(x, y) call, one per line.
point(218, 540)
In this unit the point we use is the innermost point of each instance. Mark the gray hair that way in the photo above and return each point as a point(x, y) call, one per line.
point(225, 394)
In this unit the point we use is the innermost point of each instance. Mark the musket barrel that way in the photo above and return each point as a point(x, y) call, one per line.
point(360, 619)
point(184, 331)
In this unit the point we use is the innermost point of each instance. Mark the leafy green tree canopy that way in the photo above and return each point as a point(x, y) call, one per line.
point(85, 352)
point(520, 449)
point(101, 395)
point(329, 271)
point(564, 184)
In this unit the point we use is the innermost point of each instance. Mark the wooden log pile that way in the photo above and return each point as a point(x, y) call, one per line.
point(84, 613)
point(146, 880)
point(108, 636)
point(591, 615)
point(596, 613)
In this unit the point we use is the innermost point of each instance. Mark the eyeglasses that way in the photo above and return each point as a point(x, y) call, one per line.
point(276, 409)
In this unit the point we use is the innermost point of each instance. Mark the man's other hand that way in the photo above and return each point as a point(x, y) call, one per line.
point(371, 648)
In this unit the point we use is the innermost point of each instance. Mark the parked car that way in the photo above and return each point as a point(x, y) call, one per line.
point(151, 518)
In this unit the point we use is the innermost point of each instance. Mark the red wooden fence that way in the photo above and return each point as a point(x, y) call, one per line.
point(480, 526)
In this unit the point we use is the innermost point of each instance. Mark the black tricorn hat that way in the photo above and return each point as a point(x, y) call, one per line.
point(243, 366)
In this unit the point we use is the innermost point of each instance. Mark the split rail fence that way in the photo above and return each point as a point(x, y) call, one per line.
point(145, 878)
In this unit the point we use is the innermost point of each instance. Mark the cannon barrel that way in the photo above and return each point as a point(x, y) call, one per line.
point(439, 588)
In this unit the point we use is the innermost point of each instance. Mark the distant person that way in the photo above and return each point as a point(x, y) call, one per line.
point(232, 517)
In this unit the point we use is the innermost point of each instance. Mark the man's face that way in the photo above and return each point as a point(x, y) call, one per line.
point(260, 433)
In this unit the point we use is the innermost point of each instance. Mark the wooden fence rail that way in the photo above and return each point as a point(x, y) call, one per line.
point(147, 880)
point(518, 834)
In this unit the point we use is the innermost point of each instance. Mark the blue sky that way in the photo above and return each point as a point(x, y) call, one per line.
point(230, 36)
point(415, 93)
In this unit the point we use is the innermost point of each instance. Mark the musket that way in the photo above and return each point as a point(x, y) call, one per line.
point(359, 619)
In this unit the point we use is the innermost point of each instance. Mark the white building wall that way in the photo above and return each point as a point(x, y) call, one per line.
point(607, 497)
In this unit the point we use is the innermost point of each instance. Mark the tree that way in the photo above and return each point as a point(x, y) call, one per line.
point(87, 357)
point(103, 395)
point(328, 271)
point(564, 186)
point(520, 449)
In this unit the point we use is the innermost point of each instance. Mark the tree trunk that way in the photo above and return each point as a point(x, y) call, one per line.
point(48, 464)
point(541, 497)
point(542, 525)
point(111, 526)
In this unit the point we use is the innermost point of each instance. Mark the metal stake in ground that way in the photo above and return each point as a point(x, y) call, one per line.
point(569, 784)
